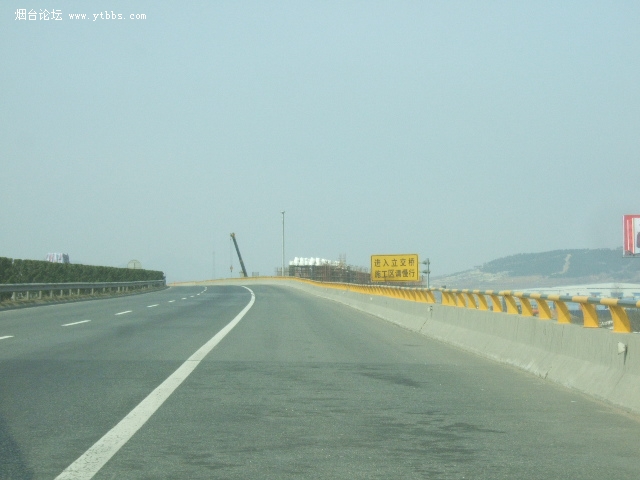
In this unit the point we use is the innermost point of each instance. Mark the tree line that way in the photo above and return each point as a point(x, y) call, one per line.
point(39, 271)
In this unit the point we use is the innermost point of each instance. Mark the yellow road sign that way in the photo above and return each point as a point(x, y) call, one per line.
point(395, 268)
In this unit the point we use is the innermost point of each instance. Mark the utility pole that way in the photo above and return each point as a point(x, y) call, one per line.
point(283, 243)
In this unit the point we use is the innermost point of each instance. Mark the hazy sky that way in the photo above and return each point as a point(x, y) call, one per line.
point(459, 130)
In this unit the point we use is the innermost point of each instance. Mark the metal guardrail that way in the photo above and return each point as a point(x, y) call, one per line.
point(26, 288)
point(547, 307)
point(520, 303)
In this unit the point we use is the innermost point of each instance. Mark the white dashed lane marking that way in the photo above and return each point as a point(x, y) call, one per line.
point(151, 306)
point(6, 336)
point(126, 311)
point(75, 323)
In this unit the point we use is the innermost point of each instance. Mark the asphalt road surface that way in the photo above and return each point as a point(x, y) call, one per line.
point(160, 386)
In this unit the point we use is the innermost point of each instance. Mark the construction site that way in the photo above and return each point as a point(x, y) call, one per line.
point(320, 269)
point(323, 270)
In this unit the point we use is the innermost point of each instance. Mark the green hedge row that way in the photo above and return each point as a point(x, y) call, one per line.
point(37, 271)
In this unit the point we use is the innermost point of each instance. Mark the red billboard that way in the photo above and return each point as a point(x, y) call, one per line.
point(631, 235)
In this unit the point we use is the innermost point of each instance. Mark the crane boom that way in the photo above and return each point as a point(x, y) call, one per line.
point(244, 270)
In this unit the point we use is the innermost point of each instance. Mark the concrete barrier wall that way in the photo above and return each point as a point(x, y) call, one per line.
point(585, 359)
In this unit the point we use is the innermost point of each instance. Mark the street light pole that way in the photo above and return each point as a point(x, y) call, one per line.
point(283, 243)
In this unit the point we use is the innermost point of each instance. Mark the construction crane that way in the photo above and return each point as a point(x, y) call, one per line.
point(244, 270)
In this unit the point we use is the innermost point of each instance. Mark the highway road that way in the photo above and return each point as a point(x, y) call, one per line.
point(271, 383)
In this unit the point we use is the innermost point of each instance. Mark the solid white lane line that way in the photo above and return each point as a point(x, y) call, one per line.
point(75, 323)
point(151, 306)
point(91, 461)
point(7, 336)
point(126, 311)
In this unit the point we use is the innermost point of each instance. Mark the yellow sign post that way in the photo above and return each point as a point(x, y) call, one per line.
point(395, 268)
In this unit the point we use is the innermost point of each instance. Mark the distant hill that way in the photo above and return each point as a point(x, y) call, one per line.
point(557, 267)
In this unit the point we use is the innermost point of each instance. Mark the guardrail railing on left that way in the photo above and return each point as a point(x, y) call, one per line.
point(24, 291)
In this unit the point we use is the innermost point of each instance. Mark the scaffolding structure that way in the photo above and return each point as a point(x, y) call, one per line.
point(331, 273)
point(322, 270)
